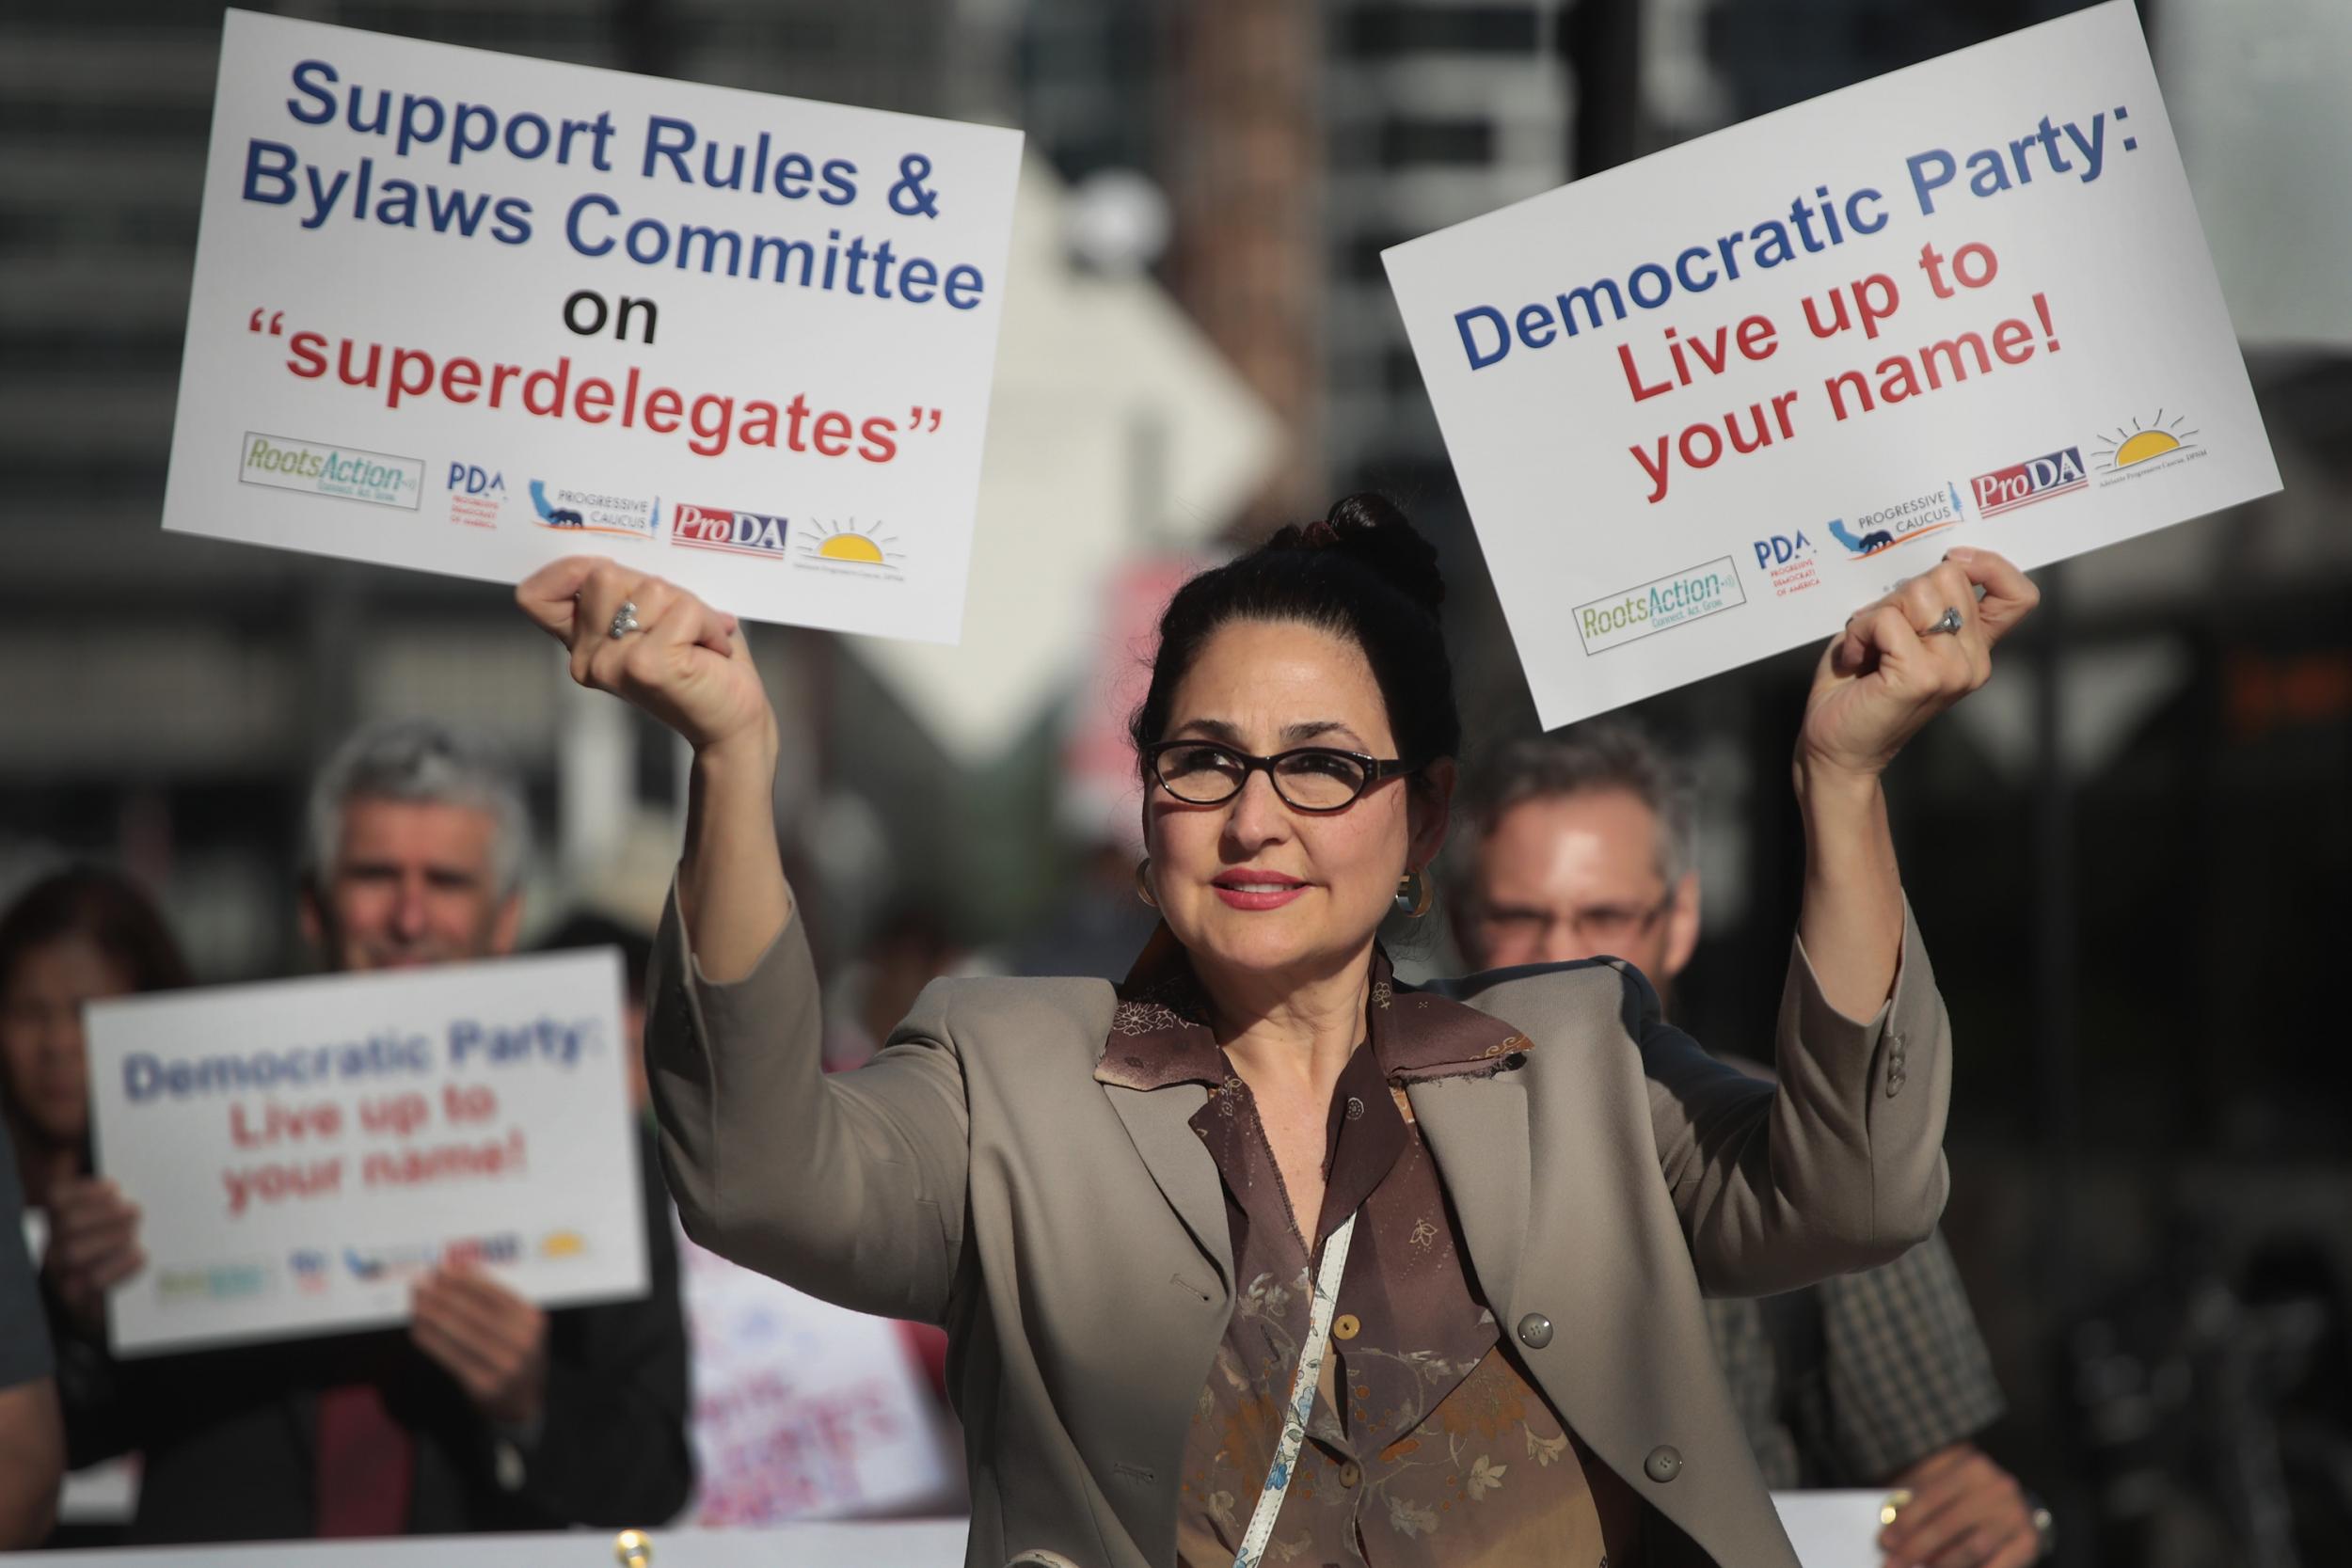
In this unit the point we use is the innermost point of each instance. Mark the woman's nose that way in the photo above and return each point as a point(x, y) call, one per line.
point(1258, 814)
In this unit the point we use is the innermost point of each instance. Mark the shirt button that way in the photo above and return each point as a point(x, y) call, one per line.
point(1350, 1473)
point(1346, 1326)
point(1662, 1465)
point(1535, 1330)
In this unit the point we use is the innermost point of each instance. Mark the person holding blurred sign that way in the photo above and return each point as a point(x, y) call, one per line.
point(79, 935)
point(1264, 1255)
point(1584, 843)
point(489, 1414)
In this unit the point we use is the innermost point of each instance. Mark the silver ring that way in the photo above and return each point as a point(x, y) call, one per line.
point(1949, 622)
point(625, 620)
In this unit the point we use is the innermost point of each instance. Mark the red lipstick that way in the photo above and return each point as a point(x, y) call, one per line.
point(1250, 888)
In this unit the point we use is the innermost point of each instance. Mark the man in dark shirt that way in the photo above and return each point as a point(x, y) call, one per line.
point(1585, 844)
point(489, 1413)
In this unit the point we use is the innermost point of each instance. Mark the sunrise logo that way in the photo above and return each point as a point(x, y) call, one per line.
point(2143, 443)
point(847, 544)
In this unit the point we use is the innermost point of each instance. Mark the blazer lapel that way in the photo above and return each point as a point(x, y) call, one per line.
point(1476, 1130)
point(1159, 1121)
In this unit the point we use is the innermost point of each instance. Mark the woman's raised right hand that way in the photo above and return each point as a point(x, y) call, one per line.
point(687, 664)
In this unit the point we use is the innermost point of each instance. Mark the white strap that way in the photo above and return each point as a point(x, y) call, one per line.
point(1302, 1400)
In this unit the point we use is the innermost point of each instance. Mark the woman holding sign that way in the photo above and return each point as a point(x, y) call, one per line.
point(1265, 1254)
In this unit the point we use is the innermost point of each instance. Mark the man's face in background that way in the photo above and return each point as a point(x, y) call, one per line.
point(1566, 876)
point(412, 882)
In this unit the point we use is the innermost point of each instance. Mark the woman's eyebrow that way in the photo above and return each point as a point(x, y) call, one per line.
point(1292, 735)
point(1216, 729)
point(1298, 734)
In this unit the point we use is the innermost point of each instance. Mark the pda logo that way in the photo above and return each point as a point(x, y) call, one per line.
point(311, 1271)
point(467, 480)
point(1787, 563)
point(476, 495)
point(754, 533)
point(2036, 479)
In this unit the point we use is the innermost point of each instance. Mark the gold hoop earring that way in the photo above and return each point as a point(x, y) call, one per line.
point(1415, 894)
point(1143, 882)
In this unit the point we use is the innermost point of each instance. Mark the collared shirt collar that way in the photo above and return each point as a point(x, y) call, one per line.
point(1161, 1032)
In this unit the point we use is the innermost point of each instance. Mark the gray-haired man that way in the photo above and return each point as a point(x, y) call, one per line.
point(414, 851)
point(1585, 844)
point(489, 1413)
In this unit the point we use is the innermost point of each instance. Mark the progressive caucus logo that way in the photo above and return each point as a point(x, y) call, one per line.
point(596, 511)
point(346, 473)
point(752, 533)
point(1884, 528)
point(2036, 479)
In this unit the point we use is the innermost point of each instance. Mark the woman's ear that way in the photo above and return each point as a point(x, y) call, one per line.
point(1429, 811)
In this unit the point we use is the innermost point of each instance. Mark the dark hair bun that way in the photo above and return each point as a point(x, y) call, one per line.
point(1361, 573)
point(1367, 528)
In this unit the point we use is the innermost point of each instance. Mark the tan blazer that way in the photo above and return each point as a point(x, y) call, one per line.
point(1072, 1236)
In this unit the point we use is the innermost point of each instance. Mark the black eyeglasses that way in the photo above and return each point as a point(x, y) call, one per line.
point(1603, 927)
point(1310, 779)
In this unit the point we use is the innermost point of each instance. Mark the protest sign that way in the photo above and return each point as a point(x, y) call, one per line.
point(1834, 1528)
point(468, 313)
point(302, 1150)
point(804, 1410)
point(1706, 405)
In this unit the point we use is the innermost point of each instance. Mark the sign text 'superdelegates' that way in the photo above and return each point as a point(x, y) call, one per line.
point(1707, 406)
point(302, 1150)
point(468, 313)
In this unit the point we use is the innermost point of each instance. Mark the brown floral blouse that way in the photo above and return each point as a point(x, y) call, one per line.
point(1428, 1445)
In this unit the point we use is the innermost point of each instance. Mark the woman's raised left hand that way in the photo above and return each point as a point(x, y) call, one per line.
point(1887, 673)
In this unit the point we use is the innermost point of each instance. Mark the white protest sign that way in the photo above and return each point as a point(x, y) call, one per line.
point(804, 1410)
point(302, 1150)
point(1706, 405)
point(468, 313)
point(1834, 1529)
